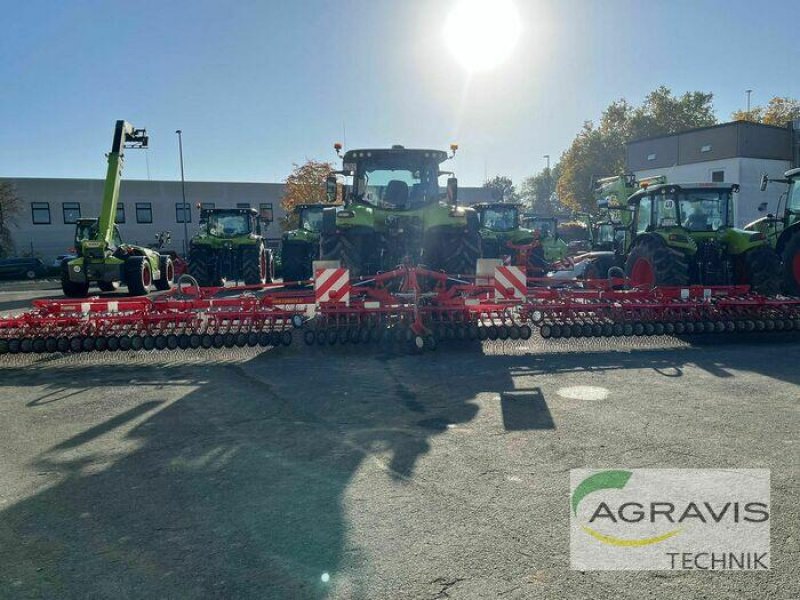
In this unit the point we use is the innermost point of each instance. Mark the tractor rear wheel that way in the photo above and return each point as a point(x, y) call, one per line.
point(651, 263)
point(762, 271)
point(108, 286)
point(338, 246)
point(255, 265)
point(72, 289)
point(462, 254)
point(791, 265)
point(167, 273)
point(138, 275)
point(202, 266)
point(296, 261)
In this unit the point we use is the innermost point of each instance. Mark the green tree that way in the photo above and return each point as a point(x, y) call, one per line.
point(501, 188)
point(304, 185)
point(538, 192)
point(10, 206)
point(779, 111)
point(599, 150)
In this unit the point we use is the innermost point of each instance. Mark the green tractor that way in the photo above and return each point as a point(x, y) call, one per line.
point(684, 234)
point(502, 236)
point(546, 228)
point(230, 246)
point(102, 258)
point(300, 247)
point(783, 232)
point(394, 214)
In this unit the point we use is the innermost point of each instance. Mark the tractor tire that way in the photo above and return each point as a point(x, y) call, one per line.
point(138, 276)
point(652, 263)
point(537, 263)
point(255, 265)
point(791, 265)
point(598, 267)
point(463, 254)
point(338, 246)
point(167, 274)
point(296, 261)
point(202, 266)
point(108, 286)
point(72, 289)
point(762, 271)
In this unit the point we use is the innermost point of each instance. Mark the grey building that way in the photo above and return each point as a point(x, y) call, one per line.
point(738, 152)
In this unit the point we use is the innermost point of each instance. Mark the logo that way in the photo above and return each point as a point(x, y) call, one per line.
point(674, 519)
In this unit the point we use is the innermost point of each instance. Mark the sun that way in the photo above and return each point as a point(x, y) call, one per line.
point(481, 34)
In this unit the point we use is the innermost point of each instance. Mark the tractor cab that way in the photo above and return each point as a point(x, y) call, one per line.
point(86, 230)
point(546, 227)
point(309, 217)
point(230, 222)
point(498, 216)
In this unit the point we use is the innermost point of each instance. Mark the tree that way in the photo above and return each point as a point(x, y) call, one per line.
point(599, 151)
point(538, 192)
point(10, 206)
point(304, 185)
point(501, 188)
point(779, 111)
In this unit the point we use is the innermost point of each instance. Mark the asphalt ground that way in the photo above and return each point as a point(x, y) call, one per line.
point(346, 472)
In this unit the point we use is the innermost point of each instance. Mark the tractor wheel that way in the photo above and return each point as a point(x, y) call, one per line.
point(537, 263)
point(296, 262)
point(72, 289)
point(202, 267)
point(337, 246)
point(791, 265)
point(762, 271)
point(598, 267)
point(651, 263)
point(138, 276)
point(167, 273)
point(108, 286)
point(463, 253)
point(255, 265)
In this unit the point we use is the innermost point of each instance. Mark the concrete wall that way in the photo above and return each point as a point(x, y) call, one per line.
point(744, 171)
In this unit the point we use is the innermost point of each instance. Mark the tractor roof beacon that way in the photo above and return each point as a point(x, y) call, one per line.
point(395, 213)
point(102, 258)
point(684, 234)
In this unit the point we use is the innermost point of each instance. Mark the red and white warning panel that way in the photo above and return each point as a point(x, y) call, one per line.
point(332, 285)
point(510, 283)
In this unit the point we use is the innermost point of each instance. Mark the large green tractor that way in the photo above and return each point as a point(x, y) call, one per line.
point(684, 234)
point(230, 246)
point(300, 247)
point(102, 258)
point(546, 228)
point(783, 230)
point(395, 214)
point(503, 237)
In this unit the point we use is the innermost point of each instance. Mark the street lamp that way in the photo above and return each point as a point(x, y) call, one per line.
point(183, 193)
point(748, 92)
point(547, 158)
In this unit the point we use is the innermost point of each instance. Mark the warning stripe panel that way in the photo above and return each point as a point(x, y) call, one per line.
point(510, 283)
point(332, 285)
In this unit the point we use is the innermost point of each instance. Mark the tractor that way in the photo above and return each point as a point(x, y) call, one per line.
point(783, 232)
point(554, 248)
point(229, 246)
point(684, 234)
point(503, 237)
point(300, 247)
point(102, 258)
point(395, 213)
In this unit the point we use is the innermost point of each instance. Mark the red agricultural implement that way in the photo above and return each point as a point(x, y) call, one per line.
point(408, 307)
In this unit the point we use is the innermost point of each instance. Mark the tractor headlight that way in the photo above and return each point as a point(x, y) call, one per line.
point(76, 268)
point(345, 214)
point(758, 236)
point(458, 211)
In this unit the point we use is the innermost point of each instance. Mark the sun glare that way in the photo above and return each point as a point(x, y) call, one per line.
point(481, 34)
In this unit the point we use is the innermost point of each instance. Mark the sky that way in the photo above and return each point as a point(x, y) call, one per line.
point(258, 86)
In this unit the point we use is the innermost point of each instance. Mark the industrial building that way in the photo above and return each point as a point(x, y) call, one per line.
point(738, 152)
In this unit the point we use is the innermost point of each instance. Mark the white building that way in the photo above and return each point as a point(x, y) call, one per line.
point(739, 152)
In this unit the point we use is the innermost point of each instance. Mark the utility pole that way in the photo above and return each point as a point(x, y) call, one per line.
point(547, 158)
point(183, 193)
point(748, 92)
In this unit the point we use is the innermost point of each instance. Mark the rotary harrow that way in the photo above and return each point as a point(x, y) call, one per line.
point(409, 307)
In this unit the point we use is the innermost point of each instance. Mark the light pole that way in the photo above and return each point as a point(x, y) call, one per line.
point(547, 158)
point(748, 92)
point(183, 193)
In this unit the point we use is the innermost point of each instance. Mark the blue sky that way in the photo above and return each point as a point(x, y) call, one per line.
point(256, 86)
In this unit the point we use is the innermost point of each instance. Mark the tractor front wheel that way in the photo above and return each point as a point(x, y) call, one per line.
point(138, 275)
point(652, 263)
point(72, 289)
point(791, 265)
point(108, 286)
point(167, 269)
point(762, 271)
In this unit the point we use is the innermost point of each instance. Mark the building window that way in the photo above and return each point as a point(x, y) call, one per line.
point(71, 212)
point(120, 217)
point(651, 156)
point(144, 212)
point(706, 148)
point(717, 176)
point(183, 212)
point(40, 211)
point(207, 206)
point(242, 205)
point(265, 211)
